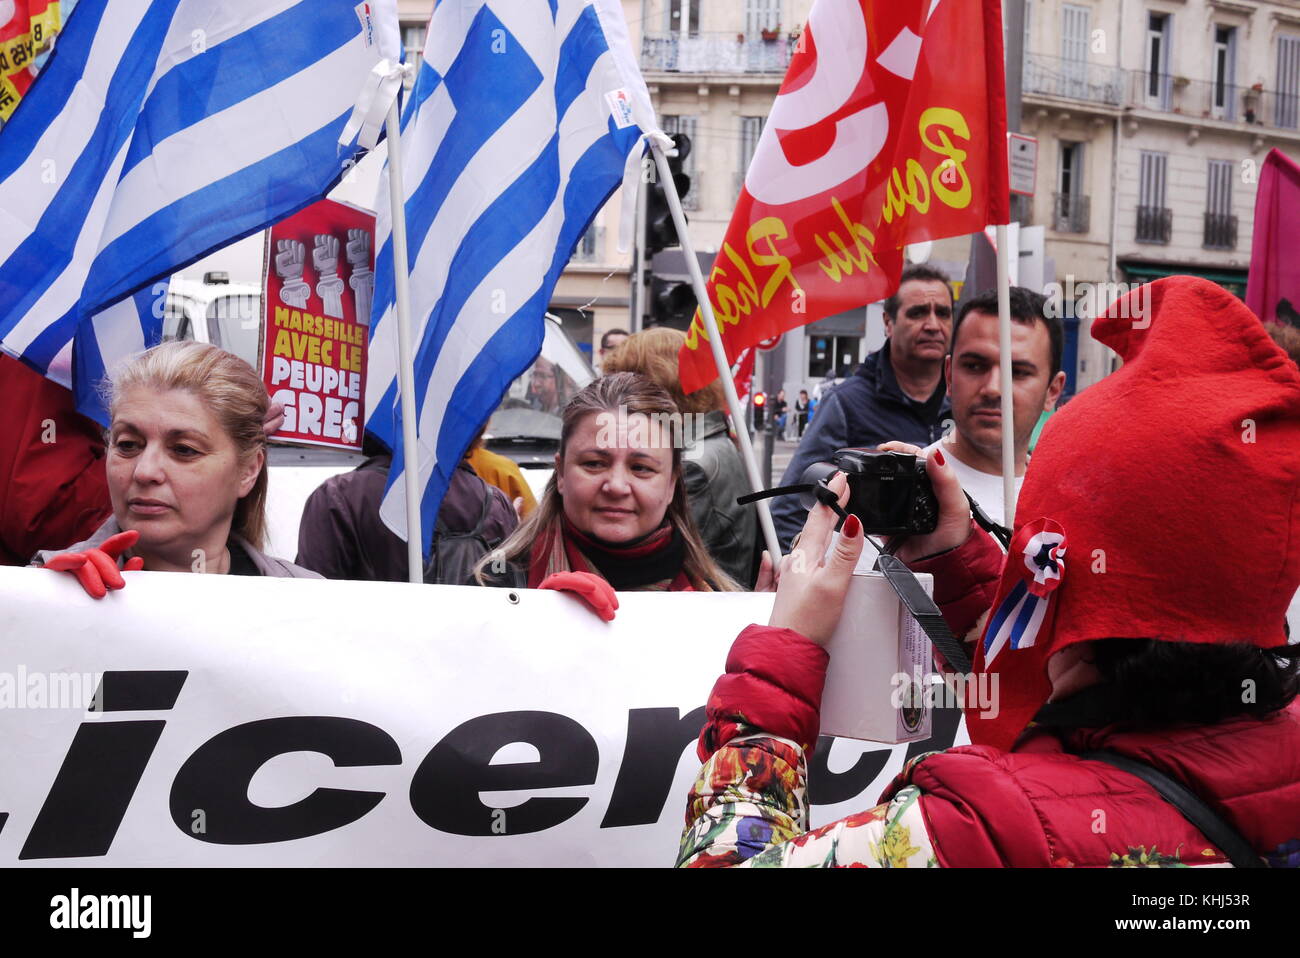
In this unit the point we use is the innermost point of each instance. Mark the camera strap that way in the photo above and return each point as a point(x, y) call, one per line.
point(924, 611)
point(1203, 818)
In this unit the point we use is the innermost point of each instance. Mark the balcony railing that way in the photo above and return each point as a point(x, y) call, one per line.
point(1110, 86)
point(1154, 224)
point(1073, 79)
point(715, 53)
point(1220, 231)
point(1070, 212)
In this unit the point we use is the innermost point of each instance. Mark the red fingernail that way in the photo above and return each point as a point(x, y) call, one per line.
point(938, 457)
point(852, 527)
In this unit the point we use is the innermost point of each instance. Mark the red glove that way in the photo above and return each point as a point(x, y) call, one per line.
point(587, 586)
point(96, 569)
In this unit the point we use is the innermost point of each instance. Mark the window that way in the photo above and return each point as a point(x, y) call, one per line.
point(1029, 9)
point(1071, 206)
point(413, 35)
point(588, 245)
point(1224, 92)
point(751, 128)
point(1074, 49)
point(1154, 219)
point(1157, 68)
point(761, 15)
point(686, 124)
point(684, 17)
point(1287, 104)
point(1220, 224)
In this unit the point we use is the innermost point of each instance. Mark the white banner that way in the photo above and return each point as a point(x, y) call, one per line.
point(227, 721)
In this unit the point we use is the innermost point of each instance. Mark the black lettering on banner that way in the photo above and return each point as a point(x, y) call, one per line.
point(943, 732)
point(830, 788)
point(104, 764)
point(445, 788)
point(655, 741)
point(216, 779)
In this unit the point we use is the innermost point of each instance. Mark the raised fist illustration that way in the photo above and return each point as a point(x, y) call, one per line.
point(325, 258)
point(290, 257)
point(363, 278)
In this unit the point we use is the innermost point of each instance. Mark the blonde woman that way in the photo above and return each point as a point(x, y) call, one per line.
point(187, 473)
point(615, 515)
point(712, 468)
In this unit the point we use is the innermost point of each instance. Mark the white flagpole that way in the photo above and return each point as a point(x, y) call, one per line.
point(405, 357)
point(719, 355)
point(1004, 369)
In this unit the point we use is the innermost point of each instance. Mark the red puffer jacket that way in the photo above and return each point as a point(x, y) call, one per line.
point(976, 806)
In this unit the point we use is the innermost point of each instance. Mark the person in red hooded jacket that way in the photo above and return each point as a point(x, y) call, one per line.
point(1148, 712)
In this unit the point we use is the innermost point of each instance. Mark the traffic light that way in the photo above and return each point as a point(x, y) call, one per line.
point(672, 303)
point(660, 231)
point(760, 409)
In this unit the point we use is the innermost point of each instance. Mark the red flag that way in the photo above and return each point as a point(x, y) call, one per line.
point(742, 373)
point(27, 33)
point(1273, 289)
point(890, 129)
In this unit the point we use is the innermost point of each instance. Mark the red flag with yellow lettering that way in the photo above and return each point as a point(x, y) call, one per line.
point(27, 28)
point(889, 129)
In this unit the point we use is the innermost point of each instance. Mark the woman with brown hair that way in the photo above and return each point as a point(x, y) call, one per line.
point(614, 515)
point(187, 473)
point(712, 469)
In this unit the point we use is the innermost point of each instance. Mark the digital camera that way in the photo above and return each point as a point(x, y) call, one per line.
point(889, 492)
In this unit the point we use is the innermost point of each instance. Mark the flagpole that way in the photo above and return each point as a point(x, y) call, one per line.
point(405, 358)
point(1004, 371)
point(719, 356)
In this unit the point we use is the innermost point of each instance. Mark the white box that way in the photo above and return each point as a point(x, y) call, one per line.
point(881, 661)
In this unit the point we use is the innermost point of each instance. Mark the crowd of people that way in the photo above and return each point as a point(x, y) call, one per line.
point(1145, 659)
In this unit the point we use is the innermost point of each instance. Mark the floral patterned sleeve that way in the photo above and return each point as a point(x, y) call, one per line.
point(749, 808)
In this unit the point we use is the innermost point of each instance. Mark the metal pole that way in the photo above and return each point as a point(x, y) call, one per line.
point(770, 386)
point(638, 246)
point(405, 355)
point(719, 356)
point(1015, 60)
point(1004, 371)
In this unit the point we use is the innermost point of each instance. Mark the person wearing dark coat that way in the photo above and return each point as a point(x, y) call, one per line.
point(898, 393)
point(341, 535)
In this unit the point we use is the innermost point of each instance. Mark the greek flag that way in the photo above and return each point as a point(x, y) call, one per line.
point(156, 133)
point(524, 119)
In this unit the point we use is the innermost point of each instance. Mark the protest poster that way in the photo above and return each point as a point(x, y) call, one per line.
point(318, 283)
point(291, 722)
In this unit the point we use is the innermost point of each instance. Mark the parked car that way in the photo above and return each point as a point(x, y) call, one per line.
point(525, 427)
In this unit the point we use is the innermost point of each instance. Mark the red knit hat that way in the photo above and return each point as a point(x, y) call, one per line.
point(1162, 502)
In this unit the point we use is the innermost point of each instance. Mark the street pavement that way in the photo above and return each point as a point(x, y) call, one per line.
point(782, 453)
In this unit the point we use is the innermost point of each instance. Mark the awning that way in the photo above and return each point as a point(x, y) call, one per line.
point(1233, 280)
point(852, 322)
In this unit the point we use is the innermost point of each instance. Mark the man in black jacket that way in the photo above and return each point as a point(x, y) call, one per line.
point(897, 393)
point(342, 537)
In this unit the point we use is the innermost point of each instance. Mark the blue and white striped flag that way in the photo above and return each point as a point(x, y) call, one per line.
point(524, 119)
point(156, 133)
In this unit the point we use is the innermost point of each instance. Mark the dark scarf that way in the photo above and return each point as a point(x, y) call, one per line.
point(650, 564)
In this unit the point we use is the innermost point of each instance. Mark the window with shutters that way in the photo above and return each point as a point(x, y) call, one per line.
point(751, 128)
point(1286, 107)
point(1154, 218)
point(1220, 224)
point(686, 124)
point(1156, 83)
point(1223, 89)
point(1070, 205)
point(413, 35)
point(761, 15)
point(1074, 50)
point(684, 17)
